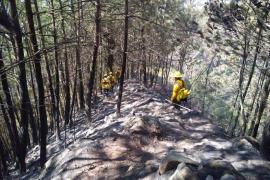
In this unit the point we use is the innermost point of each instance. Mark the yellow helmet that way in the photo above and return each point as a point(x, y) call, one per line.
point(177, 74)
point(110, 73)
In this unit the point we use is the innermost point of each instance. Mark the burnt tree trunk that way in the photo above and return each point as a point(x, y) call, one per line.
point(57, 81)
point(94, 62)
point(32, 119)
point(25, 101)
point(77, 26)
point(4, 169)
point(110, 48)
point(50, 81)
point(78, 56)
point(12, 126)
point(124, 60)
point(66, 67)
point(39, 79)
point(265, 143)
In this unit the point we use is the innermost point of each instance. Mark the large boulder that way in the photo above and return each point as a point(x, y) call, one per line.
point(173, 159)
point(144, 125)
point(255, 143)
point(228, 177)
point(183, 172)
point(247, 143)
point(218, 169)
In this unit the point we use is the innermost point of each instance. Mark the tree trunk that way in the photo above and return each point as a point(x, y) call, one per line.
point(51, 89)
point(265, 143)
point(32, 119)
point(73, 95)
point(4, 168)
point(143, 57)
point(257, 51)
point(25, 103)
point(240, 86)
point(94, 62)
point(12, 126)
point(162, 73)
point(57, 81)
point(206, 83)
point(262, 106)
point(124, 60)
point(169, 69)
point(256, 108)
point(77, 25)
point(67, 79)
point(254, 99)
point(253, 121)
point(9, 128)
point(39, 78)
point(156, 76)
point(110, 48)
point(78, 57)
point(132, 70)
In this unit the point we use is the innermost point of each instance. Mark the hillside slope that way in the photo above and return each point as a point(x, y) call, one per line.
point(132, 147)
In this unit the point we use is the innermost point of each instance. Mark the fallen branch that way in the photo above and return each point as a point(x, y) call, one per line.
point(178, 105)
point(145, 102)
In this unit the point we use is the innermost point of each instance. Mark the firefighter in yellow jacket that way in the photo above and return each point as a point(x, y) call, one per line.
point(112, 80)
point(105, 85)
point(179, 93)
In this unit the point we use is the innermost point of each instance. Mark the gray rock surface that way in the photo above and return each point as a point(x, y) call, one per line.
point(228, 177)
point(218, 168)
point(172, 160)
point(183, 172)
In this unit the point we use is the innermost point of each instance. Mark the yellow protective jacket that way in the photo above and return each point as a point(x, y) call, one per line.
point(179, 91)
point(105, 85)
point(112, 80)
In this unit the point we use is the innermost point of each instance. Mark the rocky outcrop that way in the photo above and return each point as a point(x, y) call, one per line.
point(218, 169)
point(144, 125)
point(176, 166)
point(246, 143)
point(183, 172)
point(172, 160)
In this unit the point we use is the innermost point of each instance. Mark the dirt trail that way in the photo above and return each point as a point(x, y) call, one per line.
point(132, 146)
